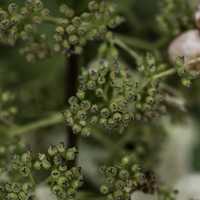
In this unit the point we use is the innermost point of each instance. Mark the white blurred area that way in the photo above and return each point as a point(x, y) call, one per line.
point(175, 168)
point(44, 193)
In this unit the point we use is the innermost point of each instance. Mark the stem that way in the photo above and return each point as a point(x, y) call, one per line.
point(130, 51)
point(141, 44)
point(158, 76)
point(53, 20)
point(164, 74)
point(136, 42)
point(49, 121)
point(71, 76)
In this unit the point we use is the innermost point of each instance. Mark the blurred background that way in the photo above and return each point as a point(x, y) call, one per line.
point(39, 91)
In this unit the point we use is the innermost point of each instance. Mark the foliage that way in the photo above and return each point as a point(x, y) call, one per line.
point(117, 99)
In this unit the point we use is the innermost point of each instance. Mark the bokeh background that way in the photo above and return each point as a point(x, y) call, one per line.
point(39, 90)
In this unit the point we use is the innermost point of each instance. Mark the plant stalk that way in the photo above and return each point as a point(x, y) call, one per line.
point(71, 77)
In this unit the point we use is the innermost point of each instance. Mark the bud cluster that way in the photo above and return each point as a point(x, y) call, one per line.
point(175, 16)
point(74, 32)
point(109, 96)
point(7, 149)
point(16, 191)
point(122, 180)
point(19, 22)
point(7, 111)
point(186, 72)
point(63, 179)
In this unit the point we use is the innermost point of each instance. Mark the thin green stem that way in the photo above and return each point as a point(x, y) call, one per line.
point(136, 42)
point(32, 180)
point(49, 121)
point(141, 44)
point(159, 76)
point(164, 74)
point(54, 20)
point(126, 48)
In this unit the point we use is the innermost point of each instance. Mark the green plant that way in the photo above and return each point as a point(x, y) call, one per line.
point(111, 103)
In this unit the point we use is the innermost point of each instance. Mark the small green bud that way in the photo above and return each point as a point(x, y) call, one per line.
point(12, 196)
point(73, 100)
point(55, 173)
point(117, 117)
point(99, 92)
point(186, 82)
point(46, 164)
point(38, 5)
point(65, 44)
point(120, 185)
point(86, 132)
point(62, 181)
point(71, 154)
point(57, 48)
point(45, 12)
point(94, 120)
point(103, 121)
point(85, 105)
point(61, 147)
point(80, 94)
point(111, 171)
point(60, 30)
point(105, 113)
point(71, 29)
point(25, 171)
point(78, 50)
point(52, 150)
point(104, 189)
point(37, 165)
point(94, 108)
point(42, 157)
point(93, 6)
point(124, 174)
point(73, 39)
point(12, 8)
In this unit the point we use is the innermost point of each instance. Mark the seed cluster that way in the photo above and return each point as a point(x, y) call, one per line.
point(122, 180)
point(63, 179)
point(73, 32)
point(16, 191)
point(19, 22)
point(186, 73)
point(119, 182)
point(108, 96)
point(7, 110)
point(171, 22)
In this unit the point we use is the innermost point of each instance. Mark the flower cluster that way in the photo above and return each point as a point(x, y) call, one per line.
point(73, 32)
point(122, 180)
point(185, 71)
point(20, 22)
point(19, 184)
point(16, 191)
point(7, 149)
point(7, 111)
point(171, 22)
point(110, 97)
point(63, 179)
